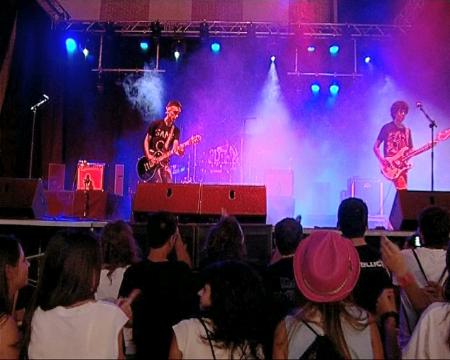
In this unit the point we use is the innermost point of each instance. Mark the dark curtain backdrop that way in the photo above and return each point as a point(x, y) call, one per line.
point(84, 119)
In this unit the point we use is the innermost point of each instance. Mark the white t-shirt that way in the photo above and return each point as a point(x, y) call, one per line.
point(108, 290)
point(429, 339)
point(87, 331)
point(300, 337)
point(433, 263)
point(108, 287)
point(190, 333)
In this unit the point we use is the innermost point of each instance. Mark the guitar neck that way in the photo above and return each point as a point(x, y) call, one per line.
point(420, 150)
point(171, 152)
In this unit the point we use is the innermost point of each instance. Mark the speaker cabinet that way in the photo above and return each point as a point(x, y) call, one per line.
point(243, 201)
point(174, 198)
point(94, 204)
point(56, 176)
point(203, 203)
point(60, 203)
point(22, 198)
point(408, 204)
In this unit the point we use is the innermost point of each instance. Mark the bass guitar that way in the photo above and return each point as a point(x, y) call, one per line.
point(146, 169)
point(398, 163)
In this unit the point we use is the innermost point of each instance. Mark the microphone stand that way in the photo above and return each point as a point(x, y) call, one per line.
point(34, 109)
point(87, 185)
point(432, 125)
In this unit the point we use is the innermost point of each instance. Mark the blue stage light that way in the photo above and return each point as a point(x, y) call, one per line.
point(334, 49)
point(334, 89)
point(273, 58)
point(144, 45)
point(367, 59)
point(315, 88)
point(215, 47)
point(311, 48)
point(176, 54)
point(71, 45)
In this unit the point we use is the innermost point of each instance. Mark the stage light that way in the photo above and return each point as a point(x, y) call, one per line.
point(311, 48)
point(273, 58)
point(176, 54)
point(334, 49)
point(71, 45)
point(85, 52)
point(334, 89)
point(215, 47)
point(143, 44)
point(367, 59)
point(315, 88)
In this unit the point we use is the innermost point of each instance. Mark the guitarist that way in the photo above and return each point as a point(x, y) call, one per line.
point(163, 136)
point(395, 136)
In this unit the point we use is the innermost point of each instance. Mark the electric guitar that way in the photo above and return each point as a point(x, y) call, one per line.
point(146, 169)
point(398, 163)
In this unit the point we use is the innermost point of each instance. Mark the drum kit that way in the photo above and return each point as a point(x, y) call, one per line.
point(217, 165)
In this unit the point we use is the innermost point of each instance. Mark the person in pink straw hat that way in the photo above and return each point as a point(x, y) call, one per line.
point(326, 269)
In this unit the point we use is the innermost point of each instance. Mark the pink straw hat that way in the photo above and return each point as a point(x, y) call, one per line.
point(326, 267)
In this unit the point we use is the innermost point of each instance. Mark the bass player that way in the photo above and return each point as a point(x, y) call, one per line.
point(163, 136)
point(395, 137)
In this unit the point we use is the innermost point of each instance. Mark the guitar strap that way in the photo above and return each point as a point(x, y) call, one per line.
point(169, 138)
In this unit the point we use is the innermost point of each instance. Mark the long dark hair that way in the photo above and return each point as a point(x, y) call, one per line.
point(118, 245)
point(225, 241)
point(69, 273)
point(237, 306)
point(9, 255)
point(332, 314)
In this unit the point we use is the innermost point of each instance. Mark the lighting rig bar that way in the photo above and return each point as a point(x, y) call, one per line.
point(194, 29)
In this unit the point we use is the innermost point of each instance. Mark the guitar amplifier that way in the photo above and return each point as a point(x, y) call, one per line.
point(90, 176)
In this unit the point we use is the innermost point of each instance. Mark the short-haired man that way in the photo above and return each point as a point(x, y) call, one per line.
point(279, 277)
point(353, 222)
point(167, 293)
point(162, 137)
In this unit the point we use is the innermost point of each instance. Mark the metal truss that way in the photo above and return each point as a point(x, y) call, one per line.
point(193, 29)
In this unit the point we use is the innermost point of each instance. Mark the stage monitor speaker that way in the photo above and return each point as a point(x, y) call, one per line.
point(408, 204)
point(56, 177)
point(247, 202)
point(94, 204)
point(22, 198)
point(174, 198)
point(60, 203)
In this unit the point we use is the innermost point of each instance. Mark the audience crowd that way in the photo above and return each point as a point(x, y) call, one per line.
point(330, 293)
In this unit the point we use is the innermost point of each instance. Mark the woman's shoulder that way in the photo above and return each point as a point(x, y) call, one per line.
point(437, 309)
point(9, 335)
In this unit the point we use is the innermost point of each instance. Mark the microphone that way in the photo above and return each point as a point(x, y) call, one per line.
point(420, 107)
point(42, 102)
